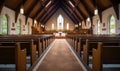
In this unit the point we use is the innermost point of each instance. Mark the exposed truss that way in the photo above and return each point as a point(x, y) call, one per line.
point(77, 10)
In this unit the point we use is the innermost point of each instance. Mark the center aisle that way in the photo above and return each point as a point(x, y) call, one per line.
point(60, 58)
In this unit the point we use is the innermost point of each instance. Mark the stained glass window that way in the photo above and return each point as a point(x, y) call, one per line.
point(52, 26)
point(19, 27)
point(67, 26)
point(98, 26)
point(112, 25)
point(4, 25)
point(28, 28)
point(60, 22)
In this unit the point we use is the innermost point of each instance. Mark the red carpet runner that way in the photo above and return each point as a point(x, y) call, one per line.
point(59, 58)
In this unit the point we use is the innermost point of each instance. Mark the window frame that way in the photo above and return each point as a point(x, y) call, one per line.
point(6, 33)
point(98, 27)
point(60, 19)
point(18, 27)
point(109, 24)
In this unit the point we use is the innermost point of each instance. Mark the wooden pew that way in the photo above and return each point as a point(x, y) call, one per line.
point(28, 44)
point(105, 55)
point(13, 55)
point(94, 37)
point(32, 42)
point(87, 49)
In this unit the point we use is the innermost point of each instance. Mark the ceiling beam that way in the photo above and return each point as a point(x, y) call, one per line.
point(32, 7)
point(78, 17)
point(2, 2)
point(85, 7)
point(115, 4)
point(68, 14)
point(96, 5)
point(78, 9)
point(70, 11)
point(22, 2)
point(47, 12)
point(87, 10)
point(50, 15)
point(40, 16)
point(42, 8)
point(17, 9)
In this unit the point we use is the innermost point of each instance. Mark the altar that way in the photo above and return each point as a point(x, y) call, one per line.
point(60, 35)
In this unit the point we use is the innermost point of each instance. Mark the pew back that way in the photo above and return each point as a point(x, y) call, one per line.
point(105, 55)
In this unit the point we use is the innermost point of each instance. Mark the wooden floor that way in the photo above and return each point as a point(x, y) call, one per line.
point(59, 58)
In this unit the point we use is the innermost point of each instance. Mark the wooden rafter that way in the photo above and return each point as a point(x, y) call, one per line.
point(52, 12)
point(17, 10)
point(87, 10)
point(85, 7)
point(73, 12)
point(70, 11)
point(42, 8)
point(2, 4)
point(96, 4)
point(78, 17)
point(68, 14)
point(31, 8)
point(48, 11)
point(115, 4)
point(80, 12)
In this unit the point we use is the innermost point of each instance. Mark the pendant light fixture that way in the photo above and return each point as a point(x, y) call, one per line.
point(22, 10)
point(35, 21)
point(96, 9)
point(88, 19)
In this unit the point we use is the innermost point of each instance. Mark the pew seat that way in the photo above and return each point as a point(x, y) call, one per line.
point(105, 55)
point(13, 55)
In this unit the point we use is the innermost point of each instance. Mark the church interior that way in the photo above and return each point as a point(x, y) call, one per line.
point(59, 35)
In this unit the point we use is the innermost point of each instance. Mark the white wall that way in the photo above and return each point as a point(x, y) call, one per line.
point(30, 24)
point(10, 14)
point(105, 16)
point(11, 19)
point(53, 20)
point(83, 25)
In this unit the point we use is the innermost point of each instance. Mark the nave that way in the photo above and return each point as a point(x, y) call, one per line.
point(63, 54)
point(45, 35)
point(59, 57)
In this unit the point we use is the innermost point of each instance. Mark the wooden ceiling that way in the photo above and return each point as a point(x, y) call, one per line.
point(82, 9)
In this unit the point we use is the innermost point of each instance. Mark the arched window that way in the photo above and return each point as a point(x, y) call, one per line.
point(28, 27)
point(52, 26)
point(67, 26)
point(98, 26)
point(89, 24)
point(60, 22)
point(19, 27)
point(112, 25)
point(4, 25)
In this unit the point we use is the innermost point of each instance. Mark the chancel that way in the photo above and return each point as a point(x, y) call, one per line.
point(59, 35)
